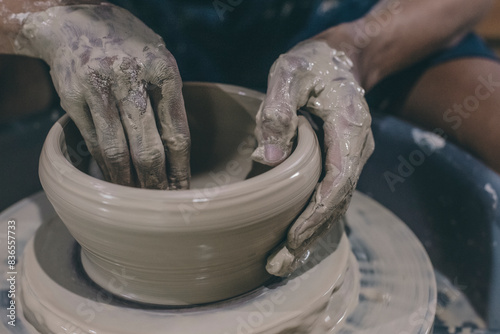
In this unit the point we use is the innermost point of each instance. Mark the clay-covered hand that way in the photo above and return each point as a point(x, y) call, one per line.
point(317, 78)
point(121, 87)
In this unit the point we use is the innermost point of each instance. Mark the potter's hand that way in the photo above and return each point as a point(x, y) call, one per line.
point(319, 79)
point(121, 87)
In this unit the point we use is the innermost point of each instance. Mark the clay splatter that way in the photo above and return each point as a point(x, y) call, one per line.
point(428, 139)
point(489, 189)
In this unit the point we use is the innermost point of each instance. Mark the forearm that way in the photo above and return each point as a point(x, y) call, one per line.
point(14, 12)
point(398, 33)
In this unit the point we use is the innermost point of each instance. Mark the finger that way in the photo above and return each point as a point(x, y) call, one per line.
point(146, 149)
point(277, 116)
point(80, 114)
point(110, 137)
point(325, 210)
point(348, 143)
point(172, 121)
point(282, 262)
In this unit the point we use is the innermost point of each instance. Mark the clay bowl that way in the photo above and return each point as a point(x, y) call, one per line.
point(186, 247)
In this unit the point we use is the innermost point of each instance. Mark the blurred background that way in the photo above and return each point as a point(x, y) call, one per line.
point(490, 28)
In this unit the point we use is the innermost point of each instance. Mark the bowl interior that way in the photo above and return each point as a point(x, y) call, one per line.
point(221, 120)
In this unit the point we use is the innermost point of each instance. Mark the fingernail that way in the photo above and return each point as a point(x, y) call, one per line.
point(273, 267)
point(280, 263)
point(273, 153)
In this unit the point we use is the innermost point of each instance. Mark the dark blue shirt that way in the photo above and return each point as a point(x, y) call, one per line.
point(236, 41)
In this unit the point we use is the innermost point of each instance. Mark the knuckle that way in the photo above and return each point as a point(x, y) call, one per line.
point(100, 79)
point(177, 144)
point(277, 116)
point(115, 153)
point(165, 71)
point(170, 76)
point(65, 96)
point(293, 63)
point(149, 159)
point(128, 70)
point(157, 51)
point(169, 57)
point(128, 64)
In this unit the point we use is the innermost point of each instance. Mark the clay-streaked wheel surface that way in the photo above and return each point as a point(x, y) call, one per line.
point(397, 294)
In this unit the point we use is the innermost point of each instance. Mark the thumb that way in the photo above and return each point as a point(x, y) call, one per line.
point(276, 127)
point(289, 86)
point(277, 117)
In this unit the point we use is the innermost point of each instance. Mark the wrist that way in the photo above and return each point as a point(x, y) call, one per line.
point(343, 38)
point(46, 32)
point(15, 13)
point(369, 64)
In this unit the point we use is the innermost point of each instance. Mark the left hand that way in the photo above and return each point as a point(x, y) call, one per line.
point(319, 79)
point(121, 87)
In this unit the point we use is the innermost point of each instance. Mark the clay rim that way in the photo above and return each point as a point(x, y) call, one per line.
point(88, 186)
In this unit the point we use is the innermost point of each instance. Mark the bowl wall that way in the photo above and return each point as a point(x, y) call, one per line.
point(190, 246)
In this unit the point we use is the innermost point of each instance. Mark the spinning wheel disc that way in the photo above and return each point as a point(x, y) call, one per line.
point(397, 286)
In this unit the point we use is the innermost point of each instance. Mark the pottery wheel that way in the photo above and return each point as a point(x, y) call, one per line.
point(397, 291)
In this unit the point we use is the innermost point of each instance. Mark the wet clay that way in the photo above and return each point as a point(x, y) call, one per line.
point(319, 79)
point(121, 87)
point(13, 14)
point(193, 246)
point(315, 300)
point(397, 288)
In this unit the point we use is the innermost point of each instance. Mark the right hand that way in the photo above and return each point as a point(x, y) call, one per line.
point(121, 87)
point(319, 79)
